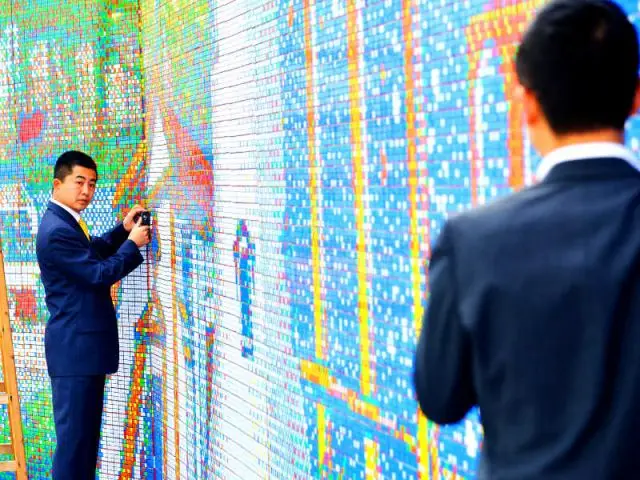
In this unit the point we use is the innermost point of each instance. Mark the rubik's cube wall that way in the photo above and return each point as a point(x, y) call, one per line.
point(71, 77)
point(299, 158)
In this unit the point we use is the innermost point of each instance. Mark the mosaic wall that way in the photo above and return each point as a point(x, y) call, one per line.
point(299, 158)
point(70, 78)
point(332, 138)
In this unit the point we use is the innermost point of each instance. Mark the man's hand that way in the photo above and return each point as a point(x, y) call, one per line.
point(140, 234)
point(128, 222)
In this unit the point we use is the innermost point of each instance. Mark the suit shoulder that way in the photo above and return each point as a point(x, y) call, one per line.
point(48, 222)
point(498, 214)
point(50, 227)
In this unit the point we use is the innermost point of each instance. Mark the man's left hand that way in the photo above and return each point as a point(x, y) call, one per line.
point(128, 221)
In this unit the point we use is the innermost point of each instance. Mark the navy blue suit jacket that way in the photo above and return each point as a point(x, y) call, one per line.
point(534, 316)
point(81, 336)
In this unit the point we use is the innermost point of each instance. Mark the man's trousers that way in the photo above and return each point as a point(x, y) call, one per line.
point(77, 412)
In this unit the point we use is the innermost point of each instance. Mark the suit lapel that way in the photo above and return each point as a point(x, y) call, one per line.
point(67, 217)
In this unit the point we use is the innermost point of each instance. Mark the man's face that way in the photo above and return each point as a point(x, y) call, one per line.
point(77, 189)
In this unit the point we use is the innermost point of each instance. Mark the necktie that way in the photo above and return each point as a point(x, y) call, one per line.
point(84, 228)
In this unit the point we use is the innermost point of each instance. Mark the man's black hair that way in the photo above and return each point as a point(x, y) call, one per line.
point(68, 160)
point(580, 60)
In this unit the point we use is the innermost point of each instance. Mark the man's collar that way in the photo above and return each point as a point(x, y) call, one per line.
point(73, 213)
point(584, 151)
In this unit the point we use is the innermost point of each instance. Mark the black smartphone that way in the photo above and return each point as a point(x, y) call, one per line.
point(145, 216)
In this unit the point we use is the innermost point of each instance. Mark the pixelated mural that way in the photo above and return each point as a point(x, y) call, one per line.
point(299, 158)
point(70, 77)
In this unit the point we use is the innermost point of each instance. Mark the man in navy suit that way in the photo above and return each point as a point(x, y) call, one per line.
point(81, 337)
point(534, 306)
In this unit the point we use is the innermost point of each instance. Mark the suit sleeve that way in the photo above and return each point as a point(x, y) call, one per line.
point(109, 243)
point(442, 371)
point(70, 255)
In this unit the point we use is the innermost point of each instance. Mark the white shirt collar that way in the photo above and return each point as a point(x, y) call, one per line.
point(75, 214)
point(584, 151)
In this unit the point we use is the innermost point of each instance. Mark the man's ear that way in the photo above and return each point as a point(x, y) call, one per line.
point(530, 105)
point(56, 183)
point(636, 100)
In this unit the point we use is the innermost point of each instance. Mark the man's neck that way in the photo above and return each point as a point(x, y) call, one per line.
point(602, 136)
point(75, 214)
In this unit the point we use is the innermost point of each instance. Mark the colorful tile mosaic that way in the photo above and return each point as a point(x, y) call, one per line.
point(299, 158)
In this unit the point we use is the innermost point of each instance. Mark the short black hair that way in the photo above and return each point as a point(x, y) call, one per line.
point(72, 158)
point(580, 60)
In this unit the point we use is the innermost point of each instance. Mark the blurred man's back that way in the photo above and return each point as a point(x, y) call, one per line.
point(534, 308)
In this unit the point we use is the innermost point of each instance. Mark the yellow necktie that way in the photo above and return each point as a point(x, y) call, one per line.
point(84, 228)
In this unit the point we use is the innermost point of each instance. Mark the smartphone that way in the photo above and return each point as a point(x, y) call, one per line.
point(145, 216)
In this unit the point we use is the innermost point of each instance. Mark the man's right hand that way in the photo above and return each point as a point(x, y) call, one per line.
point(140, 234)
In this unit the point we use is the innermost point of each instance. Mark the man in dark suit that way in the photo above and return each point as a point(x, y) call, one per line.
point(534, 306)
point(81, 337)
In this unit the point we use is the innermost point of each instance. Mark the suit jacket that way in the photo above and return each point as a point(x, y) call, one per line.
point(81, 336)
point(534, 316)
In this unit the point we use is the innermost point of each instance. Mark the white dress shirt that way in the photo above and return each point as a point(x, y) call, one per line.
point(75, 214)
point(584, 151)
